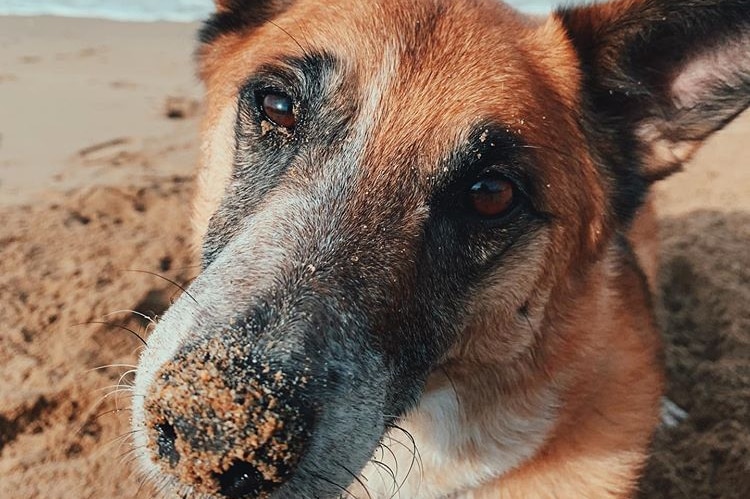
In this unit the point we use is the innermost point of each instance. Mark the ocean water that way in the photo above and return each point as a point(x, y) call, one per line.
point(160, 10)
point(120, 10)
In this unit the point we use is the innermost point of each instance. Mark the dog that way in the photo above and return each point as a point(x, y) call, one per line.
point(428, 248)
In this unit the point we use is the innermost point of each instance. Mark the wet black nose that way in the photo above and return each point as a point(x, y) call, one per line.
point(241, 480)
point(226, 424)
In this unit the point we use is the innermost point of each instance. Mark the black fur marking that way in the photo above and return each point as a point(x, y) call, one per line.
point(241, 15)
point(490, 146)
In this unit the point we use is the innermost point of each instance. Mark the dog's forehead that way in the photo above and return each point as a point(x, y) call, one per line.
point(438, 75)
point(427, 73)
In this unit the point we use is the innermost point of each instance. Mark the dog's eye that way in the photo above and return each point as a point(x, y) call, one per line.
point(491, 196)
point(279, 108)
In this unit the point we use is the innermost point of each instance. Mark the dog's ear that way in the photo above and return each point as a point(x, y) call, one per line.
point(239, 5)
point(664, 74)
point(223, 5)
point(232, 16)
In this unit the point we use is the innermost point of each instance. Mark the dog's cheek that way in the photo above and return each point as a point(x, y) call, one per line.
point(217, 159)
point(506, 309)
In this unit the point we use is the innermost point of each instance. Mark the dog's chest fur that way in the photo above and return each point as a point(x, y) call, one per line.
point(455, 454)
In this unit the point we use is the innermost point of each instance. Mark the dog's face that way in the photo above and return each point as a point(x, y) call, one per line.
point(388, 187)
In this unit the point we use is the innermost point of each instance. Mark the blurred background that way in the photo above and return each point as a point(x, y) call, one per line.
point(155, 10)
point(99, 111)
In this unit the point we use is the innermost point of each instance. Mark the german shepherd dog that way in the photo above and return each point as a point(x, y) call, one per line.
point(427, 247)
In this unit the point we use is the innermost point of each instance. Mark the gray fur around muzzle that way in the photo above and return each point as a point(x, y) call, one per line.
point(252, 398)
point(267, 378)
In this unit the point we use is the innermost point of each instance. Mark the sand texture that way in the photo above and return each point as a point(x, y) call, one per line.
point(97, 149)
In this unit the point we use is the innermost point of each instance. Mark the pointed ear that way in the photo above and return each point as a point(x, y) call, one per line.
point(233, 16)
point(664, 73)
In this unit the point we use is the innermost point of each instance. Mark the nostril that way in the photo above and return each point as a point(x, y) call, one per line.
point(241, 480)
point(165, 443)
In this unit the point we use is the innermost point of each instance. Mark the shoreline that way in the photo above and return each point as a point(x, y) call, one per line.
point(96, 18)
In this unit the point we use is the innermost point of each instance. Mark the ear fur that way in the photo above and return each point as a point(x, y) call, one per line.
point(222, 5)
point(662, 74)
point(232, 16)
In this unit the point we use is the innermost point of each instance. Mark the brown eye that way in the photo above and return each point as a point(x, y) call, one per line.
point(491, 196)
point(279, 108)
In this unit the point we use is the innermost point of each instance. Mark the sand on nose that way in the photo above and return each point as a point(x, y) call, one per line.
point(228, 408)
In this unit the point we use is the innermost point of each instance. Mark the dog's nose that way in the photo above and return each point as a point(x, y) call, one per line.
point(226, 424)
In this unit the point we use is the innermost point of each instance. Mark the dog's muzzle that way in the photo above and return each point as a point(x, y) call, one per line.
point(277, 372)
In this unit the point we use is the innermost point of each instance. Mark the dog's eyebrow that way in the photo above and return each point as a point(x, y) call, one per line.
point(239, 17)
point(489, 144)
point(296, 74)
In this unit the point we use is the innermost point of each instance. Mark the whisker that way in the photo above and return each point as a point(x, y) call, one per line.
point(359, 480)
point(110, 366)
point(139, 314)
point(411, 451)
point(115, 388)
point(106, 396)
point(114, 325)
point(152, 478)
point(129, 371)
point(116, 409)
point(146, 478)
point(388, 470)
point(132, 450)
point(101, 400)
point(187, 283)
point(290, 36)
point(393, 455)
point(416, 457)
point(122, 438)
point(121, 385)
point(131, 459)
point(142, 482)
point(138, 350)
point(304, 37)
point(166, 279)
point(319, 477)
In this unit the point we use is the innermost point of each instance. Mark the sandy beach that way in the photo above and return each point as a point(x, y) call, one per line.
point(98, 143)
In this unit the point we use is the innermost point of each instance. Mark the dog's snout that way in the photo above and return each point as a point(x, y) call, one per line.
point(225, 423)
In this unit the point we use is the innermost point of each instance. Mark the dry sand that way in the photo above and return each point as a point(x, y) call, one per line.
point(95, 180)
